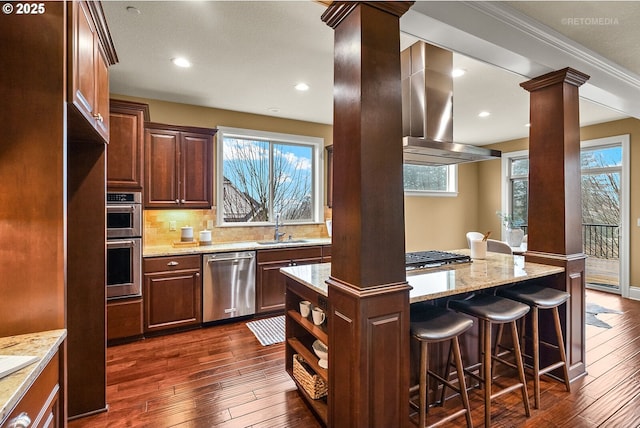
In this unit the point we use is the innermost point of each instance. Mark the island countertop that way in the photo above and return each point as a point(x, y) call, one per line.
point(43, 345)
point(427, 284)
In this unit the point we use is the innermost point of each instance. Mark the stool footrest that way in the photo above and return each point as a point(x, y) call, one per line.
point(506, 390)
point(551, 367)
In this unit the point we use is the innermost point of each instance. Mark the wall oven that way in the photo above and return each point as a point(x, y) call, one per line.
point(124, 245)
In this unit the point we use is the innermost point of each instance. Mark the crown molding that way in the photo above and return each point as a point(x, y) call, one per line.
point(532, 28)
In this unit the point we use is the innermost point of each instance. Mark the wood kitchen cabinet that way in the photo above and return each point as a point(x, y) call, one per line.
point(124, 320)
point(172, 293)
point(126, 143)
point(178, 166)
point(41, 403)
point(90, 54)
point(270, 283)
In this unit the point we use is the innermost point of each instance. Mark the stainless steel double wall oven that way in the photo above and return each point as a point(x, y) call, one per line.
point(124, 244)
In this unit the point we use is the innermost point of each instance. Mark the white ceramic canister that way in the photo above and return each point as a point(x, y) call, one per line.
point(205, 236)
point(186, 234)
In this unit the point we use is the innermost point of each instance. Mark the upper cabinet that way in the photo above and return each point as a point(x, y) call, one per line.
point(126, 142)
point(90, 54)
point(178, 166)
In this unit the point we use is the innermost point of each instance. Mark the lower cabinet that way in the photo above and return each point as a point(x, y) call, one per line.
point(270, 283)
point(172, 293)
point(40, 406)
point(124, 319)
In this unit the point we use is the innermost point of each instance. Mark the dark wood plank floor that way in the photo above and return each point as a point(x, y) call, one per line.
point(222, 377)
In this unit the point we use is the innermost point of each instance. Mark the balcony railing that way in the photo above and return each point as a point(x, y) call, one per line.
point(599, 240)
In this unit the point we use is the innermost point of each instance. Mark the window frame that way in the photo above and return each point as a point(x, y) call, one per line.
point(317, 182)
point(452, 185)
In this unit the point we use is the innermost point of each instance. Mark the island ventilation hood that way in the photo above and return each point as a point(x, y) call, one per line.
point(427, 110)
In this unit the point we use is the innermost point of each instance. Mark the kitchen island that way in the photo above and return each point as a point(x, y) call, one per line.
point(449, 280)
point(309, 282)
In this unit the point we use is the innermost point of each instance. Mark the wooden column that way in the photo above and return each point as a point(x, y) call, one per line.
point(555, 207)
point(368, 292)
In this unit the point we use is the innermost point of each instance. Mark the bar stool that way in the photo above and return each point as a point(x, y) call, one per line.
point(433, 324)
point(490, 309)
point(540, 297)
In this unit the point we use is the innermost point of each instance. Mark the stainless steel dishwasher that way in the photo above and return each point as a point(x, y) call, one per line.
point(229, 288)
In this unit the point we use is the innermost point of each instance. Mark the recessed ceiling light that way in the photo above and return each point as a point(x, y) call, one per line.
point(133, 10)
point(181, 62)
point(457, 72)
point(302, 87)
point(484, 114)
point(274, 110)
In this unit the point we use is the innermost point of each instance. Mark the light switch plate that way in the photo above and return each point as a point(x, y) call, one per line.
point(172, 225)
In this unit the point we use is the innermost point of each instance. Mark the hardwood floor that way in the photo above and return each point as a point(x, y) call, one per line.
point(222, 377)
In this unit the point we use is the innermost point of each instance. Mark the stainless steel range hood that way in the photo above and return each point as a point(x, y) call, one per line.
point(427, 110)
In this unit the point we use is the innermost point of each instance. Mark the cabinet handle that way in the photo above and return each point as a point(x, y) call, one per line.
point(21, 421)
point(197, 275)
point(183, 201)
point(173, 263)
point(177, 201)
point(98, 117)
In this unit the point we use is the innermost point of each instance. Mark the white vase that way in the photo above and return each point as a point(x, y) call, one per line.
point(514, 237)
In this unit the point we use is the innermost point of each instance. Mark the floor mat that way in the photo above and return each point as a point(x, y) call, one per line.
point(268, 330)
point(592, 310)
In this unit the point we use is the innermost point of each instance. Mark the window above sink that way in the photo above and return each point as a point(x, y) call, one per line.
point(262, 173)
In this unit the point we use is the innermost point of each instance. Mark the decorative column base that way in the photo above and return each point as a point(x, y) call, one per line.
point(369, 335)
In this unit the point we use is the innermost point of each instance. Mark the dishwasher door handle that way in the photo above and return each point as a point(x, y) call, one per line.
point(226, 259)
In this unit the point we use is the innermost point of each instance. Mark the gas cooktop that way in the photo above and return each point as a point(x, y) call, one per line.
point(433, 258)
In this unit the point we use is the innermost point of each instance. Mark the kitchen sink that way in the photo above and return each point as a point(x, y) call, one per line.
point(284, 241)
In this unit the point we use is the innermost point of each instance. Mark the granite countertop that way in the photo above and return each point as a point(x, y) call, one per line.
point(427, 284)
point(171, 250)
point(42, 345)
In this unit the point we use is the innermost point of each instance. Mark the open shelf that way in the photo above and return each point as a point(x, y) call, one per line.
point(308, 356)
point(316, 331)
point(319, 406)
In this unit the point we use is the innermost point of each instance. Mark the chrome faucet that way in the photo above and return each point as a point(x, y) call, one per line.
point(277, 235)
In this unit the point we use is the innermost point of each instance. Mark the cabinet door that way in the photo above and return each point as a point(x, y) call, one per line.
point(101, 107)
point(83, 60)
point(196, 178)
point(160, 160)
point(172, 300)
point(126, 140)
point(270, 286)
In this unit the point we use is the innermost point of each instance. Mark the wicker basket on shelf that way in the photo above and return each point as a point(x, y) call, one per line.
point(313, 384)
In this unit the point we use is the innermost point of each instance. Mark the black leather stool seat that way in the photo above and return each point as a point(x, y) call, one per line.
point(436, 324)
point(491, 308)
point(535, 295)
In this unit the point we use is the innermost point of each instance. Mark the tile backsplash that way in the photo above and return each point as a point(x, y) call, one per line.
point(157, 225)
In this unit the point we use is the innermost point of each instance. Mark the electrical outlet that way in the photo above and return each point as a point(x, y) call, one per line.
point(172, 225)
point(210, 224)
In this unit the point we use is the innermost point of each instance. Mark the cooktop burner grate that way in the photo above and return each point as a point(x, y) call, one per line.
point(433, 258)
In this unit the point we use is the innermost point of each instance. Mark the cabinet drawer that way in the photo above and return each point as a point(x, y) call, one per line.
point(40, 402)
point(171, 263)
point(124, 319)
point(289, 254)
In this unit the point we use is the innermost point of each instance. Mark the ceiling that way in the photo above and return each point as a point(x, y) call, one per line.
point(248, 56)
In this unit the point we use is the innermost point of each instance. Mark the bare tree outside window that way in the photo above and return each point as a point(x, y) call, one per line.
point(262, 178)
